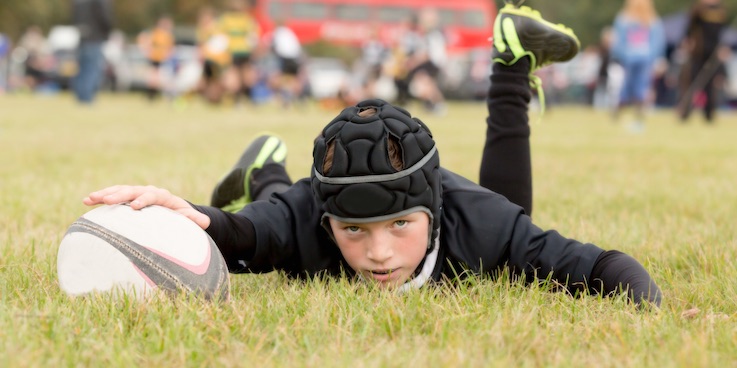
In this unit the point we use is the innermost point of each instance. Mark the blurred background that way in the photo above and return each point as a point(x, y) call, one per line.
point(331, 51)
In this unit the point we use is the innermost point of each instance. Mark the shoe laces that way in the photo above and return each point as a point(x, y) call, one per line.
point(537, 84)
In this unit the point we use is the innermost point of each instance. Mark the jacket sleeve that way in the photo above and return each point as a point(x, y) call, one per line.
point(486, 232)
point(615, 272)
point(234, 235)
point(282, 233)
point(539, 254)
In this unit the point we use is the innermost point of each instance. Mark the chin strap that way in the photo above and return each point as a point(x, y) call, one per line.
point(428, 266)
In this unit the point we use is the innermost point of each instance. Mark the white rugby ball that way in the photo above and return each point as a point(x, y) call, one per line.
point(118, 249)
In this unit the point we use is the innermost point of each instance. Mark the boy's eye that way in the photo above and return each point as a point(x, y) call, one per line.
point(352, 229)
point(401, 223)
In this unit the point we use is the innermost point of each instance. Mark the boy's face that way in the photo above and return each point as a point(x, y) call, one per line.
point(387, 252)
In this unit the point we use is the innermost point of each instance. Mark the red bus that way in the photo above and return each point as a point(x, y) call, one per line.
point(467, 23)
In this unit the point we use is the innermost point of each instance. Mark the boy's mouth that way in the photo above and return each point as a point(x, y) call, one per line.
point(383, 272)
point(384, 276)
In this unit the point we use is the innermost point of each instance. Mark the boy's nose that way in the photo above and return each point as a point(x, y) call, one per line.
point(380, 250)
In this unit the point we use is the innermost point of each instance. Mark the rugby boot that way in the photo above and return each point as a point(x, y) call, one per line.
point(233, 191)
point(521, 31)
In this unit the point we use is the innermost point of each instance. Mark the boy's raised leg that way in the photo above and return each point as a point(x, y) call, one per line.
point(523, 43)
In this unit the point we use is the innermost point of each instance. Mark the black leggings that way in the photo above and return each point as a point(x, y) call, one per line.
point(506, 166)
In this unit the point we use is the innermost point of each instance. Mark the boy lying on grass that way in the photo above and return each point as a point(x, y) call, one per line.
point(379, 207)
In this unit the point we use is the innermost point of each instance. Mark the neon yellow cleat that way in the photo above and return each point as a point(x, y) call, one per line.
point(520, 32)
point(233, 192)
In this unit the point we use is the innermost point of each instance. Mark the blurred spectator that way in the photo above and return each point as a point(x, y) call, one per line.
point(38, 58)
point(285, 45)
point(705, 62)
point(94, 20)
point(430, 62)
point(114, 50)
point(374, 53)
point(243, 36)
point(607, 85)
point(158, 46)
point(425, 56)
point(212, 43)
point(63, 41)
point(409, 42)
point(639, 42)
point(5, 46)
point(583, 81)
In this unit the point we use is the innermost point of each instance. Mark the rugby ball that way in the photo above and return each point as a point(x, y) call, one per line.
point(118, 249)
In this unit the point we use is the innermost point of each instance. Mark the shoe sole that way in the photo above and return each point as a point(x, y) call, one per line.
point(506, 27)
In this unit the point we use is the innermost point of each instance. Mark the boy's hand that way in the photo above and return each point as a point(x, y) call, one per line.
point(141, 196)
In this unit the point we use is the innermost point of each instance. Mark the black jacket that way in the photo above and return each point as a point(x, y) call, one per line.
point(481, 231)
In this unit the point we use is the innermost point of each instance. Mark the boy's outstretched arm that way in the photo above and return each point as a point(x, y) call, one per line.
point(139, 196)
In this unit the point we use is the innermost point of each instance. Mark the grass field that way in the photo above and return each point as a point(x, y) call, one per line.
point(667, 196)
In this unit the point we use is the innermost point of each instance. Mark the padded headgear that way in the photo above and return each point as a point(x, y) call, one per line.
point(362, 185)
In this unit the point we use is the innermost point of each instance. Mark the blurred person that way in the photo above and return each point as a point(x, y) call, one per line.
point(212, 43)
point(432, 59)
point(639, 43)
point(158, 46)
point(606, 86)
point(244, 33)
point(379, 208)
point(94, 19)
point(374, 54)
point(704, 66)
point(409, 41)
point(5, 47)
point(114, 52)
point(584, 80)
point(38, 57)
point(426, 55)
point(286, 47)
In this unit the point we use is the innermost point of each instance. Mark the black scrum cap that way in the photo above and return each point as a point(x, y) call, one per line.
point(362, 185)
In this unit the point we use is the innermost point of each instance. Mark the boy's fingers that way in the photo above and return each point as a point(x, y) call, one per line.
point(142, 196)
point(119, 194)
point(145, 199)
point(147, 196)
point(116, 194)
point(97, 196)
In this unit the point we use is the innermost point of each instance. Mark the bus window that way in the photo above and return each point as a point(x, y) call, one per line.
point(352, 12)
point(309, 11)
point(446, 17)
point(277, 10)
point(474, 19)
point(394, 14)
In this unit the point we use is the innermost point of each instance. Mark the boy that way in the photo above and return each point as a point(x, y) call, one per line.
point(379, 206)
